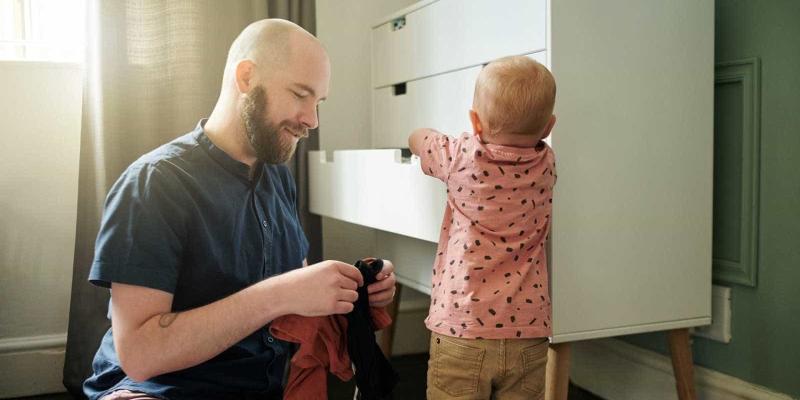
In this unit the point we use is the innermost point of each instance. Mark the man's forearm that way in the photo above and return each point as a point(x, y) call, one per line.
point(173, 341)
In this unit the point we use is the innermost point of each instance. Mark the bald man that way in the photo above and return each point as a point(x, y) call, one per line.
point(201, 245)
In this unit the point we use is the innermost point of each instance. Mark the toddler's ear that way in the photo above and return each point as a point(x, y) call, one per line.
point(477, 129)
point(548, 127)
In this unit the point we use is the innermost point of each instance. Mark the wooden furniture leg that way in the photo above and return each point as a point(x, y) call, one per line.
point(387, 335)
point(681, 353)
point(557, 380)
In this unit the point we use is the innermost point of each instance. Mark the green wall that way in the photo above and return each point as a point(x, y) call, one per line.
point(765, 348)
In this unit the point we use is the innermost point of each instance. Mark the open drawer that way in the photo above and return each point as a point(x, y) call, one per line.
point(377, 189)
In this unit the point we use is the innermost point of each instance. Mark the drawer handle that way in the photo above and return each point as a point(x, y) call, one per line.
point(399, 89)
point(398, 23)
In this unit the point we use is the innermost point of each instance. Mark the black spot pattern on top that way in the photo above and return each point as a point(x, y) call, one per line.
point(514, 235)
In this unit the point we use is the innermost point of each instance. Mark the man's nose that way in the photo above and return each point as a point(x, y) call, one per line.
point(310, 117)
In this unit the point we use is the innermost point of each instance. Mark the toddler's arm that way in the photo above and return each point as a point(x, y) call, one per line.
point(417, 138)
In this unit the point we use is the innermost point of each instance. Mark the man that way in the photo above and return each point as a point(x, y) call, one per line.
point(200, 241)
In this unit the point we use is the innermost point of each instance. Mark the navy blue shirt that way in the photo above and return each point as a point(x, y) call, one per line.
point(189, 220)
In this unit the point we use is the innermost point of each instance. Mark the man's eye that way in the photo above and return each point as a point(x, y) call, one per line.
point(299, 95)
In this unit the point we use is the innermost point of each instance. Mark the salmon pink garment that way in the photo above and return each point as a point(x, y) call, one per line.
point(323, 345)
point(490, 272)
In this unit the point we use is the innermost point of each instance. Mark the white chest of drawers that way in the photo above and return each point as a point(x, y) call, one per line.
point(631, 242)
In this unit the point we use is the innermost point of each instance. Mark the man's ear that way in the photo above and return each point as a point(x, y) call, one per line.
point(477, 128)
point(548, 127)
point(245, 71)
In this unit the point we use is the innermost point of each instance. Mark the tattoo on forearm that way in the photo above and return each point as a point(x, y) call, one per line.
point(167, 319)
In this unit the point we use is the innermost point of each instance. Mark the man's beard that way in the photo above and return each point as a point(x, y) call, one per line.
point(263, 134)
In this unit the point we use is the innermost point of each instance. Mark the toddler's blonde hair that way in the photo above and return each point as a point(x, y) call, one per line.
point(516, 95)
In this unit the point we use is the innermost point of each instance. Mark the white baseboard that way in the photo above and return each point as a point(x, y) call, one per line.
point(32, 365)
point(615, 370)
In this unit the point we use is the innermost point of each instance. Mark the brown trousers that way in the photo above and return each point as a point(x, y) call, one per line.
point(486, 368)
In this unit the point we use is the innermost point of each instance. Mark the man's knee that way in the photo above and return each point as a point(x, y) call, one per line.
point(128, 395)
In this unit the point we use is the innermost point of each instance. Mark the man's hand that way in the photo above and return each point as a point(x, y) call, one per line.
point(381, 292)
point(325, 288)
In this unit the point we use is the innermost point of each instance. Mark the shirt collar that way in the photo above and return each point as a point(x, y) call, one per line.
point(237, 168)
point(511, 154)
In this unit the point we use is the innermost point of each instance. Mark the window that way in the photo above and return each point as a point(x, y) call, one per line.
point(42, 30)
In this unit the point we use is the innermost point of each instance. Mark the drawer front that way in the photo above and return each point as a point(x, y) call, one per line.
point(450, 35)
point(441, 102)
point(377, 189)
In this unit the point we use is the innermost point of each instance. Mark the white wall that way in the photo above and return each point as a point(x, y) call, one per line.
point(40, 111)
point(344, 27)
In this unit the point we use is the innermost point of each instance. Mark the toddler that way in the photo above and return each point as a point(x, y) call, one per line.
point(490, 306)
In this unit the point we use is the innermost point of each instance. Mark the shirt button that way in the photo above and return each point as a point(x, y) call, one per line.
point(270, 339)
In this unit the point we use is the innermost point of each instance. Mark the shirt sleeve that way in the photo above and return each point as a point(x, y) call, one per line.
point(437, 155)
point(142, 231)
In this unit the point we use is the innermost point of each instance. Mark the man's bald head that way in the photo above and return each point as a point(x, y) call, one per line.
point(275, 76)
point(269, 43)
